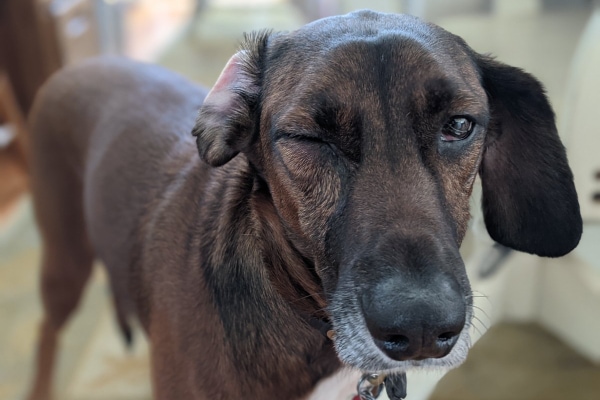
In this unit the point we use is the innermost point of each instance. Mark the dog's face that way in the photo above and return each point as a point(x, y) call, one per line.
point(369, 130)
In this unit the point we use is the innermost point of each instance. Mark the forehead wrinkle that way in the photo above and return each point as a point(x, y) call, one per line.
point(446, 61)
point(354, 70)
point(447, 93)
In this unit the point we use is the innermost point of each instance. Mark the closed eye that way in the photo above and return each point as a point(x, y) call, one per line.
point(307, 138)
point(348, 151)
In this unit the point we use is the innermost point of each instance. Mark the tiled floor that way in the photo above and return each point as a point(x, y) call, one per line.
point(512, 362)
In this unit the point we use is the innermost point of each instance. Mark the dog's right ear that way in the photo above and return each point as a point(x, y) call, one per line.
point(225, 123)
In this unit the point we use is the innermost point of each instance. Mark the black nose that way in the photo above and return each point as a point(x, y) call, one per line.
point(410, 321)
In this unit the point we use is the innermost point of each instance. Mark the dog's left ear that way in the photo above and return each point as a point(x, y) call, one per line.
point(225, 123)
point(529, 199)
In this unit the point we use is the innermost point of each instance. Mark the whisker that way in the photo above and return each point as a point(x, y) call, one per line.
point(474, 326)
point(484, 326)
point(483, 295)
point(306, 297)
point(477, 330)
point(482, 310)
point(324, 309)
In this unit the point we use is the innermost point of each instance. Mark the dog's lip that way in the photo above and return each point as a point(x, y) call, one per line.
point(416, 362)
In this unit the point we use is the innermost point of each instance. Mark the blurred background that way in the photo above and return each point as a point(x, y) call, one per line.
point(538, 320)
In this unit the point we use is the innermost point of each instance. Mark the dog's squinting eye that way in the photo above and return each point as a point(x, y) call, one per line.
point(458, 128)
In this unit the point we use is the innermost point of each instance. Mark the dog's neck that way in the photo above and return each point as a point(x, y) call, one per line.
point(265, 302)
point(292, 274)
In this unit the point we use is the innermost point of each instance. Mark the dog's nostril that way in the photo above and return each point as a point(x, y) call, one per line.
point(396, 342)
point(445, 342)
point(446, 336)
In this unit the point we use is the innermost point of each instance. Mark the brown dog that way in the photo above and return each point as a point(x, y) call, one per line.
point(332, 187)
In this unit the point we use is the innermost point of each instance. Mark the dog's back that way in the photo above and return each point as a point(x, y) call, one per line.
point(125, 118)
point(100, 133)
point(112, 124)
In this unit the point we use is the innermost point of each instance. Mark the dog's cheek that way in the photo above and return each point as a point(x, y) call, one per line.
point(313, 172)
point(457, 177)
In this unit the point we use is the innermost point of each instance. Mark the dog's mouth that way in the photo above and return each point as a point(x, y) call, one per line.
point(358, 348)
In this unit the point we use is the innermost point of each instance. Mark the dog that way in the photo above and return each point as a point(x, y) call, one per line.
point(319, 227)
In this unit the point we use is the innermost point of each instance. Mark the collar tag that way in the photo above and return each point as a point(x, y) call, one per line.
point(370, 386)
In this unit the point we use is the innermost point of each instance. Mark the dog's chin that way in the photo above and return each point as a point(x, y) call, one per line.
point(355, 348)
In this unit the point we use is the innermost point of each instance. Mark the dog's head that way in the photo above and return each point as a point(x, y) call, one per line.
point(369, 130)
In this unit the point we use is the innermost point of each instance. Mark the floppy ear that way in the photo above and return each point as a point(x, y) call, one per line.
point(529, 199)
point(225, 123)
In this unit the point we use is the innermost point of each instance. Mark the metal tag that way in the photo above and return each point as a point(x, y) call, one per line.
point(370, 386)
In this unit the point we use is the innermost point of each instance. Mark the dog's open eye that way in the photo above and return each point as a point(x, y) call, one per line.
point(458, 128)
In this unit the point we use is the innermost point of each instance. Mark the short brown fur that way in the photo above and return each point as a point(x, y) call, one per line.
point(325, 191)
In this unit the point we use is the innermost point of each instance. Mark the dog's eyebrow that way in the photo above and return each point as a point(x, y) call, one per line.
point(336, 117)
point(326, 116)
point(438, 94)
